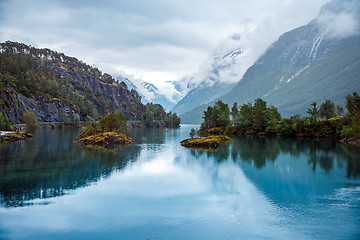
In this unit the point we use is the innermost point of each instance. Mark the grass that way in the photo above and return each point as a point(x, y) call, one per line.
point(103, 139)
point(209, 142)
point(14, 137)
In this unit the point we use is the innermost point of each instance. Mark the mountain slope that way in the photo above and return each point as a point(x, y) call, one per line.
point(149, 92)
point(54, 85)
point(218, 75)
point(314, 62)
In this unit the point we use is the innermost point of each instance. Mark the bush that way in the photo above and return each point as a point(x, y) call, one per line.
point(31, 122)
point(284, 127)
point(5, 123)
point(347, 132)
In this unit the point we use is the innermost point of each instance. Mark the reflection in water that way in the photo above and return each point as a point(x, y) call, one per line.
point(250, 188)
point(260, 150)
point(49, 164)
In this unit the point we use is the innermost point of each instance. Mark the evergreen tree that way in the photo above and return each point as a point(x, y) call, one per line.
point(327, 109)
point(234, 110)
point(313, 112)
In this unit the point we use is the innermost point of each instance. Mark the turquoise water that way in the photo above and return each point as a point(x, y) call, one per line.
point(250, 188)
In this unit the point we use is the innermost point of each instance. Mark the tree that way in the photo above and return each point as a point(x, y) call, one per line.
point(234, 110)
point(245, 116)
point(192, 132)
point(112, 122)
point(339, 111)
point(353, 104)
point(327, 109)
point(272, 118)
point(172, 120)
point(5, 123)
point(313, 112)
point(259, 116)
point(31, 122)
point(285, 127)
point(217, 116)
point(353, 107)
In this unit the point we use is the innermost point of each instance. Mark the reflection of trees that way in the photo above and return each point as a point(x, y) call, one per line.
point(50, 164)
point(260, 150)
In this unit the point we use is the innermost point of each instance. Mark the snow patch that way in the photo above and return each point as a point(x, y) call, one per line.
point(297, 74)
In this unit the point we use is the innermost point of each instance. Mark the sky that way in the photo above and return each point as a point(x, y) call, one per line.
point(152, 40)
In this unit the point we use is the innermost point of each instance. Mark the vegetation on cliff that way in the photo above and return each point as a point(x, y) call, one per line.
point(209, 142)
point(54, 85)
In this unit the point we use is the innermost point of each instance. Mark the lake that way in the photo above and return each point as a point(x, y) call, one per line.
point(250, 188)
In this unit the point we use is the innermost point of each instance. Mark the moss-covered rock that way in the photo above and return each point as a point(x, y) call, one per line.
point(205, 142)
point(14, 137)
point(104, 139)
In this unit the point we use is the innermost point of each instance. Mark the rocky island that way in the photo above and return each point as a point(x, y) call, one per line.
point(14, 137)
point(209, 142)
point(103, 139)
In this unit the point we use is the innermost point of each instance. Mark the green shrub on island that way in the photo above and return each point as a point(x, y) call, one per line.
point(14, 137)
point(104, 139)
point(209, 142)
point(105, 133)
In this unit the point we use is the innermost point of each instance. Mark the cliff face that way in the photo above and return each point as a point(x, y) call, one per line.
point(57, 87)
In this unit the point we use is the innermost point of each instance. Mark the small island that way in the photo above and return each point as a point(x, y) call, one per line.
point(103, 139)
point(105, 133)
point(14, 137)
point(210, 142)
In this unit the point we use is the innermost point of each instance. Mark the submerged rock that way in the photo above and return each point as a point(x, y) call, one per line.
point(209, 142)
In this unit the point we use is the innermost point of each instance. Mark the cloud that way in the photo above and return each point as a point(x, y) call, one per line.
point(340, 19)
point(156, 40)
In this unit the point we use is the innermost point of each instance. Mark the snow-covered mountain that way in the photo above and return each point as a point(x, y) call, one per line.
point(317, 61)
point(150, 93)
point(218, 75)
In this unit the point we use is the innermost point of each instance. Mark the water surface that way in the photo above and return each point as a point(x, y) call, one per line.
point(250, 188)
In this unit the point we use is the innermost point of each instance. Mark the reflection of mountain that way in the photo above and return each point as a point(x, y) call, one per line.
point(49, 165)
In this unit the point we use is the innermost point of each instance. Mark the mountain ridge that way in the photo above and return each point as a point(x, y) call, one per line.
point(313, 62)
point(56, 86)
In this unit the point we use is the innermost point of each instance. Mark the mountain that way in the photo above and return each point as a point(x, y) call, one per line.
point(218, 75)
point(56, 86)
point(150, 93)
point(318, 61)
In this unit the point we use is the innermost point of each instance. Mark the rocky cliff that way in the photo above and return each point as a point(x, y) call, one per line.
point(57, 87)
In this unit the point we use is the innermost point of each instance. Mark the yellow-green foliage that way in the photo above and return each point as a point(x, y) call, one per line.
point(14, 137)
point(205, 142)
point(211, 131)
point(105, 139)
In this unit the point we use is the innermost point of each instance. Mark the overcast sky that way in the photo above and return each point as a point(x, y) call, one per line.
point(156, 40)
